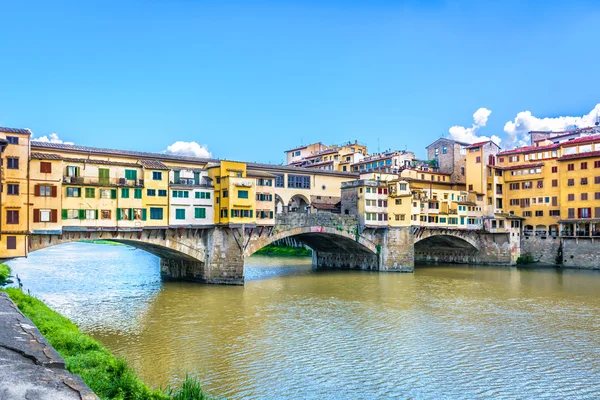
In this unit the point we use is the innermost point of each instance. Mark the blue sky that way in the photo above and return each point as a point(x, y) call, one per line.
point(251, 79)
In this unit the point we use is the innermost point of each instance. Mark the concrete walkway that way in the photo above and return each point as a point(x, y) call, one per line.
point(30, 368)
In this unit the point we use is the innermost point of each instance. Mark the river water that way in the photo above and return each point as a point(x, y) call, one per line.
point(292, 333)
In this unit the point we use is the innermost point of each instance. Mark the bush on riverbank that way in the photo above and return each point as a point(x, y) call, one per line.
point(109, 377)
point(526, 258)
point(100, 241)
point(4, 274)
point(283, 251)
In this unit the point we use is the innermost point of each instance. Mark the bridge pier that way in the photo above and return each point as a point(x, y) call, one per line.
point(396, 249)
point(323, 260)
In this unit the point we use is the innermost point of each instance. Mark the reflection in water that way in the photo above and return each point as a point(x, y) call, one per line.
point(442, 332)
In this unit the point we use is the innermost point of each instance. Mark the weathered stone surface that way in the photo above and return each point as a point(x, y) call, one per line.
point(29, 367)
point(543, 248)
point(581, 253)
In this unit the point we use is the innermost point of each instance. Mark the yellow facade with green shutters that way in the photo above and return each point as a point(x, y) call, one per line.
point(155, 196)
point(235, 194)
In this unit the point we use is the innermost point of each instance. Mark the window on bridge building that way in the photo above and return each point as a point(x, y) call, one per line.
point(156, 213)
point(279, 181)
point(298, 181)
point(179, 213)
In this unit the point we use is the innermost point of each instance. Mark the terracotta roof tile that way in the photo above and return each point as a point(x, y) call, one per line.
point(580, 155)
point(45, 156)
point(153, 164)
point(15, 130)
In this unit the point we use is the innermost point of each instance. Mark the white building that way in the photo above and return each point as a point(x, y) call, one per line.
point(191, 202)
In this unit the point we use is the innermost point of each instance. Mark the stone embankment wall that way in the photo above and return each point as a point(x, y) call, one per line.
point(29, 367)
point(581, 253)
point(543, 248)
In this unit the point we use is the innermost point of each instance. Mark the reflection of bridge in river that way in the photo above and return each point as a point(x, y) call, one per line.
point(217, 254)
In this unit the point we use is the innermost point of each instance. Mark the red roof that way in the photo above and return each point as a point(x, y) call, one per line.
point(481, 144)
point(550, 146)
point(580, 155)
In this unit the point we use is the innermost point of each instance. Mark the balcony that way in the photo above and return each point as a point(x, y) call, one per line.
point(189, 183)
point(84, 180)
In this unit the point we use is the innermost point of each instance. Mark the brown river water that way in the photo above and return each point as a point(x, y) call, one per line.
point(444, 332)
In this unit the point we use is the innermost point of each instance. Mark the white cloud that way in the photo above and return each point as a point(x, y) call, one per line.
point(524, 122)
point(469, 135)
point(51, 138)
point(189, 149)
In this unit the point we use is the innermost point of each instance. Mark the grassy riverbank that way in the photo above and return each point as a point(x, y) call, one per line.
point(100, 241)
point(284, 251)
point(109, 377)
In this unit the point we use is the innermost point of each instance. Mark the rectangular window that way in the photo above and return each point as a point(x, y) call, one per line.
point(554, 213)
point(584, 181)
point(91, 214)
point(584, 213)
point(570, 182)
point(137, 193)
point(12, 163)
point(571, 213)
point(554, 170)
point(124, 193)
point(157, 176)
point(554, 182)
point(73, 192)
point(596, 164)
point(554, 201)
point(526, 185)
point(72, 171)
point(539, 213)
point(156, 213)
point(12, 189)
point(130, 174)
point(478, 159)
point(200, 212)
point(12, 217)
point(162, 193)
point(106, 214)
point(597, 196)
point(570, 167)
point(105, 194)
point(279, 181)
point(540, 184)
point(225, 193)
point(514, 186)
point(527, 213)
point(45, 167)
point(298, 181)
point(90, 193)
point(104, 176)
point(12, 139)
point(150, 192)
point(179, 213)
point(11, 242)
point(242, 194)
point(584, 196)
point(584, 165)
point(571, 197)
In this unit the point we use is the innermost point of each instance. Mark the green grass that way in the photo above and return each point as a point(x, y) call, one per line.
point(4, 274)
point(101, 241)
point(108, 376)
point(283, 251)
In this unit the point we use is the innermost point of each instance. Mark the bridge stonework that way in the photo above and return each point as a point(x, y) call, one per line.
point(217, 254)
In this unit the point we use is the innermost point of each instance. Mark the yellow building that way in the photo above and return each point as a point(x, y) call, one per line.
point(265, 197)
point(156, 197)
point(14, 210)
point(235, 194)
point(45, 188)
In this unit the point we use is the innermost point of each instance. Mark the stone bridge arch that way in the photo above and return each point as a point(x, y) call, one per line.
point(447, 239)
point(182, 252)
point(319, 238)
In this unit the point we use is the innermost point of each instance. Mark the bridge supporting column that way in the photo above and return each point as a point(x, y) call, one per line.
point(225, 258)
point(345, 260)
point(178, 269)
point(396, 249)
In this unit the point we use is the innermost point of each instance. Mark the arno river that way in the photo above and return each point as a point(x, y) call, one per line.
point(291, 333)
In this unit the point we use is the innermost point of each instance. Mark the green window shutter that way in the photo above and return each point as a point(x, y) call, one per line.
point(203, 213)
point(131, 214)
point(103, 174)
point(208, 195)
point(144, 214)
point(250, 213)
point(77, 170)
point(137, 193)
point(197, 178)
point(270, 214)
point(176, 176)
point(232, 213)
point(81, 214)
point(130, 174)
point(96, 214)
point(196, 213)
point(125, 193)
point(78, 192)
point(65, 214)
point(197, 195)
point(119, 214)
point(113, 193)
point(179, 213)
point(186, 194)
